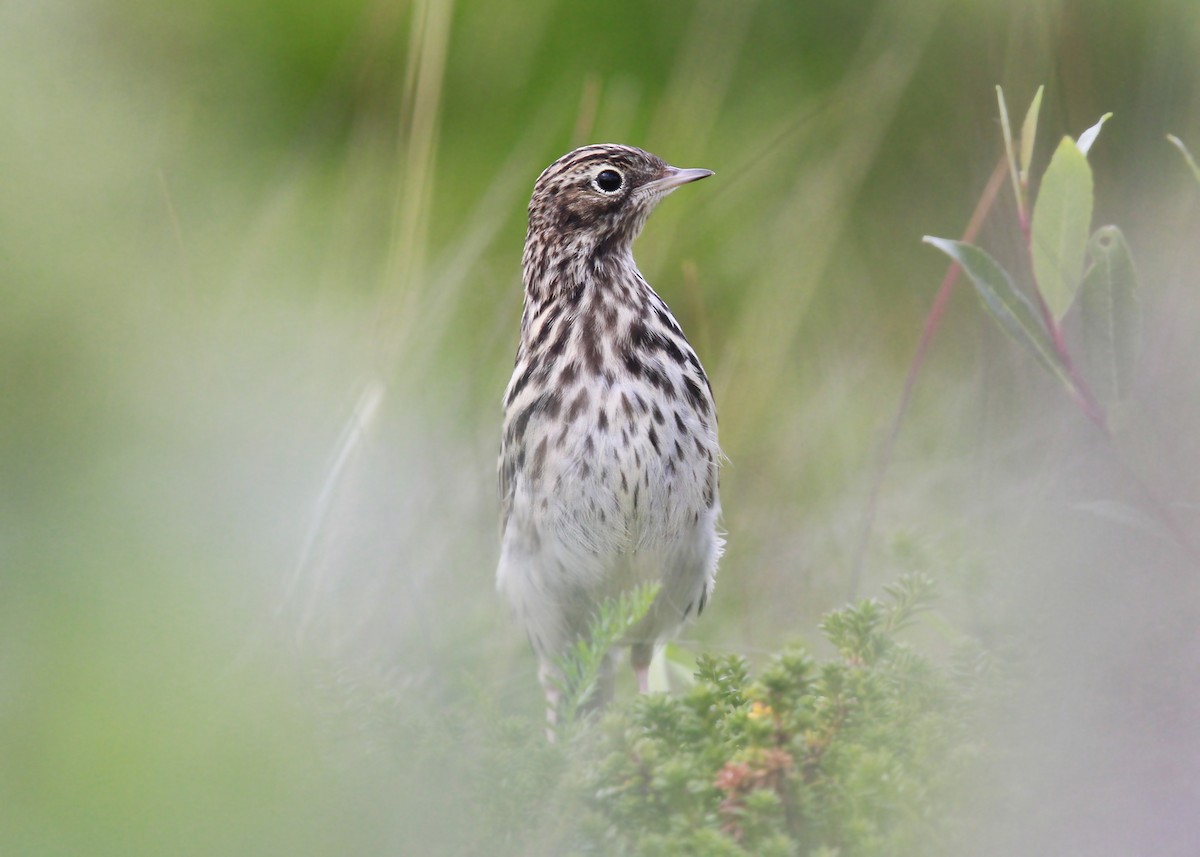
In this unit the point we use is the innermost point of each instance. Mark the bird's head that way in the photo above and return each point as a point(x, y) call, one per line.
point(597, 198)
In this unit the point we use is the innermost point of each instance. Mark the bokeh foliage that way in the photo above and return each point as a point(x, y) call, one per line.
point(259, 297)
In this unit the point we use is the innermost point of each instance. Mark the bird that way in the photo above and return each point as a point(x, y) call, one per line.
point(608, 466)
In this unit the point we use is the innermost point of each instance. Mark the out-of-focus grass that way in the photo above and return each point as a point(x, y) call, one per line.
point(229, 626)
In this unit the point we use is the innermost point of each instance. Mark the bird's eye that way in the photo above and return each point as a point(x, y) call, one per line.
point(608, 181)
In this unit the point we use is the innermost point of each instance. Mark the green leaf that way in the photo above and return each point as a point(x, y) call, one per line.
point(1011, 309)
point(1006, 130)
point(1089, 136)
point(1029, 135)
point(1112, 318)
point(1187, 156)
point(1061, 221)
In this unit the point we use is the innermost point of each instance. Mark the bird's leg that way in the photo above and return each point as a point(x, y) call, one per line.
point(640, 655)
point(642, 674)
point(548, 676)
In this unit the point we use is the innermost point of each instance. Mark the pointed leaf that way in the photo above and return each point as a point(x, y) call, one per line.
point(1187, 156)
point(1061, 220)
point(1089, 136)
point(1009, 154)
point(1112, 318)
point(1029, 135)
point(1011, 309)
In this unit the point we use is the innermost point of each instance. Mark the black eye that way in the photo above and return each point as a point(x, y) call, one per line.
point(608, 181)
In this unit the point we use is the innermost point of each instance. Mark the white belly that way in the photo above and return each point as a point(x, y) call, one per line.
point(608, 506)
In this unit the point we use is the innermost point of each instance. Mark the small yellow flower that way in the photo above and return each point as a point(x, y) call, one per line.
point(759, 710)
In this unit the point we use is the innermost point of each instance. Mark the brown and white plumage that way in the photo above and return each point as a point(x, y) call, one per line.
point(609, 455)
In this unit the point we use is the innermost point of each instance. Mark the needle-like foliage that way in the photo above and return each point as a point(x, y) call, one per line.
point(866, 753)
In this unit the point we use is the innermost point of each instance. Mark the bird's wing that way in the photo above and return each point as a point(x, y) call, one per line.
point(506, 470)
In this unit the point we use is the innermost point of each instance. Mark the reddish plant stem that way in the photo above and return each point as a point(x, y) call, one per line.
point(986, 200)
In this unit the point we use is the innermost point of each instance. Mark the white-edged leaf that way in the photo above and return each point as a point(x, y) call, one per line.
point(1011, 309)
point(1112, 318)
point(1029, 134)
point(1187, 156)
point(1062, 219)
point(1089, 136)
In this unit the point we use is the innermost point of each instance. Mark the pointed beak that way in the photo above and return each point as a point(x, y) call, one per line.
point(673, 178)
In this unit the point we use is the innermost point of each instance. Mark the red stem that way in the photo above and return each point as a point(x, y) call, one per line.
point(932, 320)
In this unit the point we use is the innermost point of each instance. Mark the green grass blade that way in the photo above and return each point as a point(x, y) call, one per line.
point(1062, 219)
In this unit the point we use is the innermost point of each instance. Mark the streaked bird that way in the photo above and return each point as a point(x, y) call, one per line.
point(609, 456)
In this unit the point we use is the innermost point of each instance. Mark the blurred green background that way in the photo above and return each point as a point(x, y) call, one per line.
point(260, 296)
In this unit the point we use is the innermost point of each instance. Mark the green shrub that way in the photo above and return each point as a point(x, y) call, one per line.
point(867, 753)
